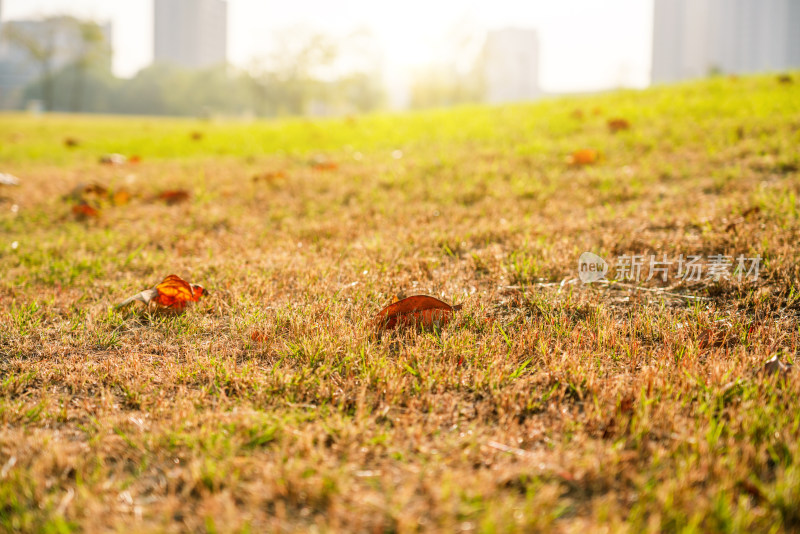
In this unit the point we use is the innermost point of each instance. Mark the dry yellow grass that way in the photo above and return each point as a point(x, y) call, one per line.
point(544, 405)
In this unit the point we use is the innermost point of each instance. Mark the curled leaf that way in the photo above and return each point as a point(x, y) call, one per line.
point(120, 197)
point(172, 293)
point(418, 310)
point(113, 159)
point(85, 211)
point(325, 166)
point(82, 193)
point(618, 125)
point(269, 177)
point(175, 196)
point(774, 366)
point(259, 336)
point(585, 156)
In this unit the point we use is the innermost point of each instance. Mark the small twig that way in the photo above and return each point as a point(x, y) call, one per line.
point(659, 290)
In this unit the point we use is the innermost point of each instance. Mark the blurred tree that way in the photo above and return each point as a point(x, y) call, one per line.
point(442, 85)
point(457, 77)
point(98, 88)
point(94, 50)
point(315, 73)
point(289, 80)
point(40, 44)
point(307, 73)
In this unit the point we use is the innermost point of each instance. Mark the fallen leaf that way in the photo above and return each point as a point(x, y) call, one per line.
point(174, 196)
point(85, 211)
point(81, 191)
point(7, 179)
point(751, 211)
point(586, 156)
point(775, 366)
point(120, 197)
point(196, 136)
point(418, 310)
point(785, 79)
point(113, 159)
point(716, 337)
point(259, 337)
point(269, 177)
point(618, 125)
point(577, 114)
point(173, 293)
point(135, 159)
point(71, 142)
point(324, 166)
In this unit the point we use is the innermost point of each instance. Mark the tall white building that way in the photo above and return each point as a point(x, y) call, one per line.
point(191, 33)
point(692, 38)
point(511, 65)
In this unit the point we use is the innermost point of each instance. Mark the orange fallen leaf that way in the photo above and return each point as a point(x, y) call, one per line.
point(173, 293)
point(259, 337)
point(618, 125)
point(585, 156)
point(120, 197)
point(174, 196)
point(135, 159)
point(269, 177)
point(324, 166)
point(85, 211)
point(418, 310)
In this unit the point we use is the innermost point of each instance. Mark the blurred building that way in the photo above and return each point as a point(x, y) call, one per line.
point(694, 38)
point(56, 38)
point(191, 33)
point(511, 65)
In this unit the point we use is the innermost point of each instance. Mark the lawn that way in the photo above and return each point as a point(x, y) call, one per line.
point(277, 403)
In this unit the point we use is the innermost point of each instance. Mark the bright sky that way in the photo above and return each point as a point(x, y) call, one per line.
point(585, 44)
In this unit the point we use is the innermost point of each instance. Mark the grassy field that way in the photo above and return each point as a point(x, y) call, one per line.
point(275, 405)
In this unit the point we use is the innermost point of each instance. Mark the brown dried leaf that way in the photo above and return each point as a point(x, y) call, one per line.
point(85, 211)
point(174, 196)
point(618, 125)
point(774, 366)
point(418, 310)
